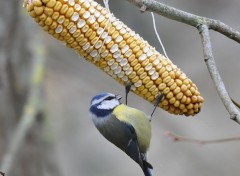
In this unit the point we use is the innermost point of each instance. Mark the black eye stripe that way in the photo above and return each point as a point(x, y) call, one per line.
point(109, 98)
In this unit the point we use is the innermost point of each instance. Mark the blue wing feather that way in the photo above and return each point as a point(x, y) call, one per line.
point(133, 151)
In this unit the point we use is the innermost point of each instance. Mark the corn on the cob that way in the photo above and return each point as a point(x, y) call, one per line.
point(87, 27)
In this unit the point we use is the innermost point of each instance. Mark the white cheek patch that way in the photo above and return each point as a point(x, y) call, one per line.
point(108, 104)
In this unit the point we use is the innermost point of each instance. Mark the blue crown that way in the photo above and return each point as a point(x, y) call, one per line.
point(99, 96)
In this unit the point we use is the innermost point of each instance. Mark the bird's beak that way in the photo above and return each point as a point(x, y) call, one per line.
point(119, 97)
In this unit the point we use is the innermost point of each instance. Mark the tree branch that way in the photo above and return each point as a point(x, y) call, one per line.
point(209, 60)
point(187, 18)
point(176, 138)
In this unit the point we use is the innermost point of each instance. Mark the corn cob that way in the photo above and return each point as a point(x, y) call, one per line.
point(107, 42)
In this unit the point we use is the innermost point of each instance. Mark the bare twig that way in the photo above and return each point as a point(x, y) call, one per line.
point(209, 59)
point(31, 108)
point(235, 103)
point(176, 138)
point(187, 18)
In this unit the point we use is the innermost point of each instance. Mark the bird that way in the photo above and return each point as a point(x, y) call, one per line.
point(127, 128)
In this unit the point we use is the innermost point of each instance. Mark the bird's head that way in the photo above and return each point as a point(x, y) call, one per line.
point(103, 104)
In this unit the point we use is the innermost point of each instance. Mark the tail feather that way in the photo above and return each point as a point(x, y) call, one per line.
point(147, 171)
point(147, 164)
point(147, 168)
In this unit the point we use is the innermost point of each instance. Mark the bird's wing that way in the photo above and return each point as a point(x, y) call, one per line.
point(132, 148)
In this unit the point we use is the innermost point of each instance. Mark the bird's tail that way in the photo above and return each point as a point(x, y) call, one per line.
point(147, 167)
point(147, 171)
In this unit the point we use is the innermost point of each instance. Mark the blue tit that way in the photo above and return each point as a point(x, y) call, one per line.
point(127, 128)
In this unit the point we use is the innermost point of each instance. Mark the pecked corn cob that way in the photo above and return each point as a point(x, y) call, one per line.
point(105, 41)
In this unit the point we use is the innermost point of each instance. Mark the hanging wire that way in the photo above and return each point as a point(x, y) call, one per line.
point(156, 32)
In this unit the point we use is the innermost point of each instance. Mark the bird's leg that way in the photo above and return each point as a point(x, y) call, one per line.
point(127, 90)
point(158, 100)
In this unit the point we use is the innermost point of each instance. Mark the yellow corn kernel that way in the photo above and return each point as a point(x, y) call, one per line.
point(45, 1)
point(57, 6)
point(37, 3)
point(169, 95)
point(38, 10)
point(51, 3)
point(33, 14)
point(64, 9)
point(170, 83)
point(161, 86)
point(166, 90)
point(69, 12)
point(48, 11)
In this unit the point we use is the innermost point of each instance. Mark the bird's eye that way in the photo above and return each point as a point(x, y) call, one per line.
point(109, 98)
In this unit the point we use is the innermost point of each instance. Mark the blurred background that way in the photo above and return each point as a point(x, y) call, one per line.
point(63, 140)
